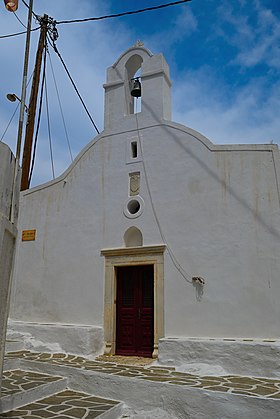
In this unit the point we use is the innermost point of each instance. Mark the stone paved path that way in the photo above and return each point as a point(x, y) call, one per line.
point(68, 404)
point(234, 384)
point(17, 381)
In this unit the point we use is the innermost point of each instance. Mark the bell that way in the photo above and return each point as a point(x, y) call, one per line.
point(136, 88)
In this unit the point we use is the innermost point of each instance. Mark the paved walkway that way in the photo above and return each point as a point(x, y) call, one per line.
point(17, 381)
point(233, 384)
point(67, 404)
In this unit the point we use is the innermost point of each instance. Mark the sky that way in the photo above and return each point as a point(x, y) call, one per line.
point(224, 59)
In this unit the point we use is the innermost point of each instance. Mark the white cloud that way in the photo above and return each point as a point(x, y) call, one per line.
point(255, 33)
point(87, 49)
point(177, 30)
point(185, 24)
point(250, 116)
point(223, 113)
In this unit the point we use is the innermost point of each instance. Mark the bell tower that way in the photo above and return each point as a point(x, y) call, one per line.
point(153, 73)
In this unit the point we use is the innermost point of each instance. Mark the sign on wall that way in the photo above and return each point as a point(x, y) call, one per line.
point(28, 235)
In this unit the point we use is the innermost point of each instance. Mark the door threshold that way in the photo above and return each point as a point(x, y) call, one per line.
point(126, 360)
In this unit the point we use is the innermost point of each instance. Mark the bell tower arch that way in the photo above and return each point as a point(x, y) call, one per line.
point(132, 66)
point(155, 88)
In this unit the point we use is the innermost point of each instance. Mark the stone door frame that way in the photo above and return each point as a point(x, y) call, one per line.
point(132, 256)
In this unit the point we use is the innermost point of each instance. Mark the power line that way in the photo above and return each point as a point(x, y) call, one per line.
point(33, 13)
point(174, 260)
point(21, 33)
point(20, 21)
point(133, 12)
point(12, 117)
point(18, 33)
point(49, 126)
point(39, 117)
point(75, 87)
point(60, 106)
point(10, 121)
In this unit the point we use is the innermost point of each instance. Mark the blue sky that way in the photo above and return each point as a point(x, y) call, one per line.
point(224, 61)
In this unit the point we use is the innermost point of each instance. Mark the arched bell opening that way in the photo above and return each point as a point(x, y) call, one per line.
point(133, 237)
point(136, 91)
point(133, 84)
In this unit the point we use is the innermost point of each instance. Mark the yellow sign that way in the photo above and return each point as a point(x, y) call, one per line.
point(28, 235)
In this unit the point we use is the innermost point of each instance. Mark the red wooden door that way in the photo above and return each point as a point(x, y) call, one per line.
point(135, 311)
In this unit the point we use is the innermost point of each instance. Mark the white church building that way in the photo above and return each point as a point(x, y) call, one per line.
point(154, 242)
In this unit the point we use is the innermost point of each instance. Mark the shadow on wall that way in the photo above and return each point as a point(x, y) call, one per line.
point(199, 289)
point(212, 174)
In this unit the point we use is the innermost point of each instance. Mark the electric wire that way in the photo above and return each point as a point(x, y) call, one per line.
point(18, 33)
point(33, 13)
point(10, 121)
point(74, 85)
point(174, 260)
point(39, 117)
point(20, 21)
point(49, 126)
point(12, 117)
point(132, 12)
point(60, 107)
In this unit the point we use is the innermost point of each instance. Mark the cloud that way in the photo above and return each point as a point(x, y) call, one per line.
point(227, 111)
point(87, 49)
point(185, 24)
point(180, 27)
point(250, 116)
point(255, 32)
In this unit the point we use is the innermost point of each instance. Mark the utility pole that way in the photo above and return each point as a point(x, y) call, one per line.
point(27, 150)
point(14, 205)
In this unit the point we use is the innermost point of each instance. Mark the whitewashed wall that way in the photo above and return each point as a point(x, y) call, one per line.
point(9, 196)
point(218, 208)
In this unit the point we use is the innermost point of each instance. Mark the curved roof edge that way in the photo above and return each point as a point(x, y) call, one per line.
point(133, 48)
point(219, 147)
point(69, 168)
point(175, 125)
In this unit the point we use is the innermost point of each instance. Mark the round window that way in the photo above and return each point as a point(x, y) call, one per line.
point(133, 207)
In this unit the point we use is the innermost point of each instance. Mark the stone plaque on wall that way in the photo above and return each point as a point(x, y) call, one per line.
point(134, 183)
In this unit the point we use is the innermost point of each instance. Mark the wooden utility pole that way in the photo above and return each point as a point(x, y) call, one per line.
point(27, 150)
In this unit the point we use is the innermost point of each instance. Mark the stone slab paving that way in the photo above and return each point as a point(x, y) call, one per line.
point(68, 404)
point(233, 384)
point(17, 381)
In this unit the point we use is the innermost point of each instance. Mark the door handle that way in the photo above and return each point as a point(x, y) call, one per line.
point(139, 314)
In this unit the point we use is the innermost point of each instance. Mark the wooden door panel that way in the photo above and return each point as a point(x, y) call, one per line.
point(127, 338)
point(135, 311)
point(146, 321)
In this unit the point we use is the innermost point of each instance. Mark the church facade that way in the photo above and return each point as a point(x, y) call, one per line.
point(153, 236)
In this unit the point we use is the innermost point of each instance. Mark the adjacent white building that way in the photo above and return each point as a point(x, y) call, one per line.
point(153, 232)
point(9, 198)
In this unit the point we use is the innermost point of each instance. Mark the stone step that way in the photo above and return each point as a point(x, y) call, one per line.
point(71, 404)
point(21, 387)
point(181, 394)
